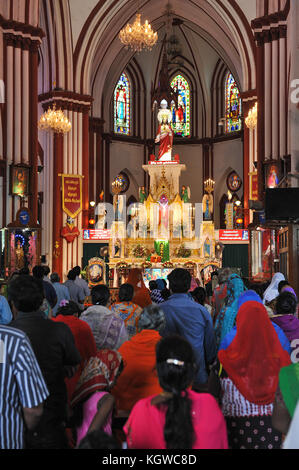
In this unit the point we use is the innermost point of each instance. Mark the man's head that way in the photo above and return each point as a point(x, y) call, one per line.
point(54, 278)
point(179, 281)
point(100, 295)
point(47, 270)
point(282, 284)
point(126, 293)
point(25, 293)
point(38, 272)
point(77, 270)
point(152, 285)
point(286, 304)
point(71, 275)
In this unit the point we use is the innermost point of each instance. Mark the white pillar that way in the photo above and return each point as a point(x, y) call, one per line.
point(268, 117)
point(282, 101)
point(275, 103)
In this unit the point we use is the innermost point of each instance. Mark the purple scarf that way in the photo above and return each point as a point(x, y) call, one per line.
point(289, 324)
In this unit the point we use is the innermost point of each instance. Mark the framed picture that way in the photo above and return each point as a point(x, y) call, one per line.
point(19, 180)
point(234, 182)
point(272, 170)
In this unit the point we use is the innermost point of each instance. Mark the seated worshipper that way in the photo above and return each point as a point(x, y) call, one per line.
point(76, 292)
point(139, 379)
point(62, 292)
point(141, 293)
point(200, 296)
point(225, 321)
point(191, 321)
point(68, 314)
point(176, 418)
point(272, 290)
point(126, 309)
point(108, 329)
point(155, 292)
point(245, 378)
point(92, 403)
point(249, 296)
point(5, 312)
point(285, 311)
point(55, 350)
point(286, 398)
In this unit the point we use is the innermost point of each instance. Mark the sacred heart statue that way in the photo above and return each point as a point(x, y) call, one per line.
point(70, 233)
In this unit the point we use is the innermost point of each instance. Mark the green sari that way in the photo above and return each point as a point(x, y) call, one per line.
point(289, 386)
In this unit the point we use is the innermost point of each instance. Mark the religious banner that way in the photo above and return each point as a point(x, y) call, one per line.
point(72, 195)
point(253, 186)
point(229, 216)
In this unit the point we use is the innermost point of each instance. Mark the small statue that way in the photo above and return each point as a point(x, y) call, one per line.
point(142, 195)
point(20, 262)
point(165, 134)
point(185, 194)
point(208, 208)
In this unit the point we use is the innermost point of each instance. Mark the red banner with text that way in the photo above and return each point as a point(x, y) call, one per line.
point(72, 195)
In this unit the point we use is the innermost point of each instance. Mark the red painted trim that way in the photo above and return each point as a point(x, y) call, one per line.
point(21, 28)
point(57, 202)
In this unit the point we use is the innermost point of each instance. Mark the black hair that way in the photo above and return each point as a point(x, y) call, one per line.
point(71, 308)
point(153, 285)
point(98, 440)
point(77, 270)
point(286, 303)
point(47, 270)
point(100, 295)
point(176, 379)
point(26, 293)
point(165, 294)
point(282, 284)
point(199, 295)
point(38, 272)
point(71, 275)
point(126, 293)
point(54, 277)
point(258, 288)
point(24, 271)
point(179, 281)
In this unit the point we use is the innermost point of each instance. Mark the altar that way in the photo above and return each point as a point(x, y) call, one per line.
point(164, 230)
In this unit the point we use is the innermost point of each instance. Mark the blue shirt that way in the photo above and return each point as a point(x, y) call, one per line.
point(5, 312)
point(281, 336)
point(192, 321)
point(62, 293)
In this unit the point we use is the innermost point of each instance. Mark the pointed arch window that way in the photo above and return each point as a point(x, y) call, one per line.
point(181, 117)
point(233, 105)
point(122, 106)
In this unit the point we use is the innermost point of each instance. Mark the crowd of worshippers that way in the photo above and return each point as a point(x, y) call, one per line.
point(172, 366)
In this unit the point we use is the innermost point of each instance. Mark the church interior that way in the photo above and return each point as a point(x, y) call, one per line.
point(231, 66)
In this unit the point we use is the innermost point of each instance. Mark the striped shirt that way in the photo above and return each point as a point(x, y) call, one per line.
point(21, 385)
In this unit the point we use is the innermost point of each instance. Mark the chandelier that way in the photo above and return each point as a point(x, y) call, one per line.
point(138, 36)
point(251, 120)
point(54, 120)
point(209, 186)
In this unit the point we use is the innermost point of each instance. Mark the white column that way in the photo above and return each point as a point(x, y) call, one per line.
point(25, 107)
point(268, 117)
point(282, 101)
point(275, 103)
point(16, 136)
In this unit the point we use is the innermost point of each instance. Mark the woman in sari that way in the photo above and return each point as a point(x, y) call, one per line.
point(141, 293)
point(247, 375)
point(92, 403)
point(227, 316)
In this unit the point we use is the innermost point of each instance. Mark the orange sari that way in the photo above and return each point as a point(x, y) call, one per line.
point(141, 293)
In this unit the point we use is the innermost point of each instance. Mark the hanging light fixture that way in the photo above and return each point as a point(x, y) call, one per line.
point(251, 120)
point(55, 120)
point(137, 36)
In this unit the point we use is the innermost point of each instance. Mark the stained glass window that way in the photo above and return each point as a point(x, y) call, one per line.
point(122, 108)
point(181, 115)
point(233, 105)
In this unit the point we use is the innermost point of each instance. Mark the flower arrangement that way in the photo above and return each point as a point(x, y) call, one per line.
point(183, 252)
point(140, 251)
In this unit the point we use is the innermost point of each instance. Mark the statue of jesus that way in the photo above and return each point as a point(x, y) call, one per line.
point(165, 134)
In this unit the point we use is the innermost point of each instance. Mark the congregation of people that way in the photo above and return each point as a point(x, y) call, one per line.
point(177, 365)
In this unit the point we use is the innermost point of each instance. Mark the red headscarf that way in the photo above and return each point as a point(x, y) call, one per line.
point(255, 356)
point(141, 293)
